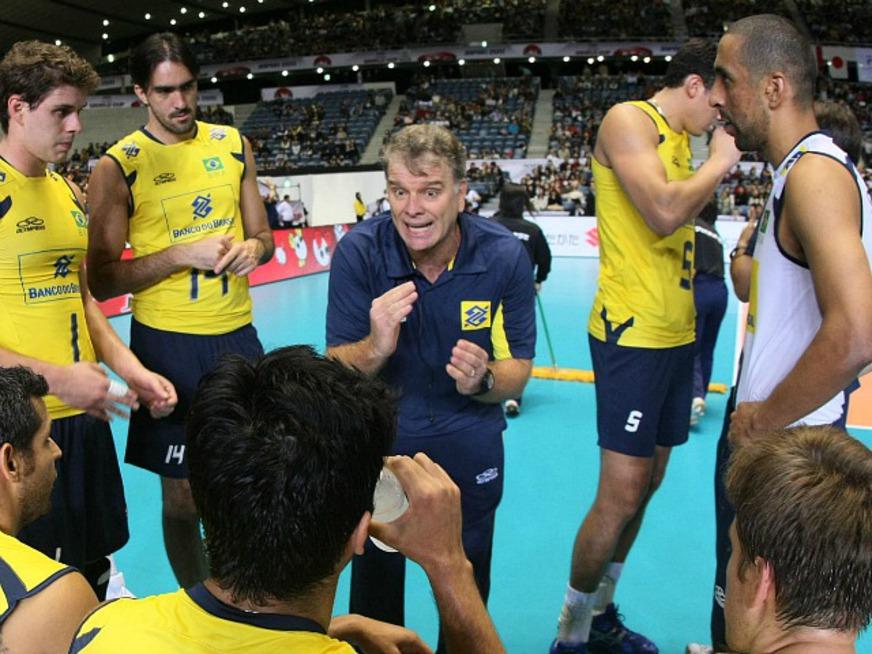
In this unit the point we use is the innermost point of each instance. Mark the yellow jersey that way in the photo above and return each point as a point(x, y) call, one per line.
point(43, 241)
point(645, 290)
point(24, 572)
point(195, 621)
point(180, 193)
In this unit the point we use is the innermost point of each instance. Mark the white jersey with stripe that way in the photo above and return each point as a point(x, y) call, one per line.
point(783, 313)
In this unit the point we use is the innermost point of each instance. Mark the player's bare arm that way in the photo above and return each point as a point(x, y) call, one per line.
point(821, 225)
point(376, 637)
point(627, 143)
point(153, 390)
point(258, 246)
point(386, 316)
point(741, 263)
point(67, 600)
point(108, 274)
point(429, 533)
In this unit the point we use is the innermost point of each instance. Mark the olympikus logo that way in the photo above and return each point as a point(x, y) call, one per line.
point(32, 224)
point(164, 178)
point(488, 475)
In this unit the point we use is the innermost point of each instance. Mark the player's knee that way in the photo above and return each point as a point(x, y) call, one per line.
point(623, 501)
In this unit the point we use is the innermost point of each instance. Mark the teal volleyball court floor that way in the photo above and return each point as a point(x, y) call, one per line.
point(550, 476)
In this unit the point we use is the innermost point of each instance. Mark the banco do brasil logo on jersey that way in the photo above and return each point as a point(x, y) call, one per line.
point(475, 314)
point(62, 265)
point(130, 150)
point(213, 164)
point(202, 206)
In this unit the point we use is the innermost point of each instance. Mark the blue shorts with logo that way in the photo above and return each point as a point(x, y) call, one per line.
point(159, 445)
point(643, 396)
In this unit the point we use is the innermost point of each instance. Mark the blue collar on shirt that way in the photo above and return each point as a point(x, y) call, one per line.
point(468, 260)
point(275, 621)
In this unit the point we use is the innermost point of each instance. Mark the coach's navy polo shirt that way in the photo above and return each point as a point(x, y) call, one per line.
point(486, 297)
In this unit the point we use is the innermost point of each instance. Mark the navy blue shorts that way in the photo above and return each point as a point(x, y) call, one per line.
point(643, 396)
point(88, 517)
point(159, 445)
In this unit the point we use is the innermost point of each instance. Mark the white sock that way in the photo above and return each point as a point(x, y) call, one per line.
point(605, 594)
point(573, 626)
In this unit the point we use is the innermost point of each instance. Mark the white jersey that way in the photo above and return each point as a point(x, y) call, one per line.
point(783, 312)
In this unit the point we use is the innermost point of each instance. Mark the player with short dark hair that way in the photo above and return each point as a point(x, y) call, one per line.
point(184, 194)
point(284, 454)
point(39, 595)
point(641, 328)
point(809, 331)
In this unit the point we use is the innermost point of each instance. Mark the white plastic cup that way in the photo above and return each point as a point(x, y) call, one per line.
point(389, 503)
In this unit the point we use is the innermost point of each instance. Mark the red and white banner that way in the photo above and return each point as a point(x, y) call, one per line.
point(299, 252)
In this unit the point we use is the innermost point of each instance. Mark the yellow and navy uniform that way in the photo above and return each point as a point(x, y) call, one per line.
point(44, 237)
point(24, 572)
point(644, 296)
point(196, 621)
point(181, 193)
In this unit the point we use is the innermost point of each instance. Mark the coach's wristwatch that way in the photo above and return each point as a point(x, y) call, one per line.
point(487, 383)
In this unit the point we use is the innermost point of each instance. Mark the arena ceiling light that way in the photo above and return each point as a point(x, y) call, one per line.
point(284, 73)
point(426, 63)
point(326, 77)
point(249, 76)
point(147, 16)
point(532, 60)
point(432, 7)
point(225, 4)
point(183, 10)
point(202, 14)
point(105, 36)
point(110, 58)
point(355, 68)
point(600, 59)
point(172, 21)
point(566, 59)
point(242, 9)
point(496, 60)
point(391, 65)
point(590, 60)
point(105, 22)
point(58, 41)
point(214, 80)
point(668, 58)
point(484, 44)
point(634, 58)
point(319, 70)
point(647, 60)
point(461, 62)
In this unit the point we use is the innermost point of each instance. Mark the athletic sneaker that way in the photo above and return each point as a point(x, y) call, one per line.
point(698, 648)
point(513, 409)
point(562, 648)
point(697, 410)
point(608, 635)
